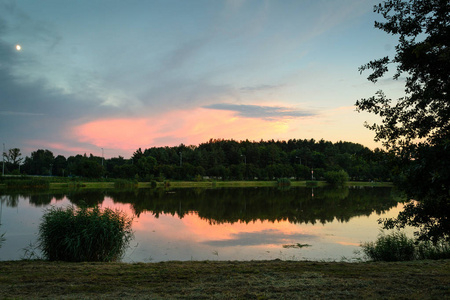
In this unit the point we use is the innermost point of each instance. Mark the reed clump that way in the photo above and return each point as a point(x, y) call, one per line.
point(84, 234)
point(124, 183)
point(398, 247)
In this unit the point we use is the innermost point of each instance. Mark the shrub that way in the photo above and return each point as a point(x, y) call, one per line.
point(397, 247)
point(428, 250)
point(84, 234)
point(336, 177)
point(393, 247)
point(283, 182)
point(123, 183)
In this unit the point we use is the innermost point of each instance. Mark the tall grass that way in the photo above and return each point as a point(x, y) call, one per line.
point(428, 250)
point(124, 183)
point(27, 183)
point(84, 234)
point(393, 247)
point(398, 247)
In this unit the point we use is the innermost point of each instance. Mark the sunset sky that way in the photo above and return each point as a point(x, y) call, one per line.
point(79, 76)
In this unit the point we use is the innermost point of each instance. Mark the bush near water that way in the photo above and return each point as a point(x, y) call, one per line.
point(84, 234)
point(397, 246)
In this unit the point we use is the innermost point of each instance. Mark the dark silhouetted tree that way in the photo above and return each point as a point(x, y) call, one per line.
point(416, 127)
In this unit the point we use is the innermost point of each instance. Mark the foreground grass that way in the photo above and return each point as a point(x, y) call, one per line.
point(225, 280)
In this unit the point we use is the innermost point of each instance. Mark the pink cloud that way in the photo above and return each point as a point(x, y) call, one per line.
point(62, 147)
point(190, 127)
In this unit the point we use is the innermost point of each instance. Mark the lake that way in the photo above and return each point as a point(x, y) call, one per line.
point(219, 224)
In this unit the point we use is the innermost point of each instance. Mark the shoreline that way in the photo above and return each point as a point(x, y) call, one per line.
point(198, 184)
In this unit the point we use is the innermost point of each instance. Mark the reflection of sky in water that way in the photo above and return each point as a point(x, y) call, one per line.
point(192, 238)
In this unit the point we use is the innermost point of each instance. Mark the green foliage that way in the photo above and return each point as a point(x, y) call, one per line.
point(393, 247)
point(338, 178)
point(223, 160)
point(312, 183)
point(123, 183)
point(83, 234)
point(398, 247)
point(40, 163)
point(428, 250)
point(283, 182)
point(423, 55)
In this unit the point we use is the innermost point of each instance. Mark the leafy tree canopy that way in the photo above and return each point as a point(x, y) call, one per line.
point(417, 126)
point(422, 54)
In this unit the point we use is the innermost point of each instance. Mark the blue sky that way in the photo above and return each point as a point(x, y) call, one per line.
point(120, 75)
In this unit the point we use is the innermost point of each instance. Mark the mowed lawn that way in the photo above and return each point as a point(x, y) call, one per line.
point(225, 280)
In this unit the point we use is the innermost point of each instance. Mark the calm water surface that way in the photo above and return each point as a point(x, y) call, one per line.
point(219, 224)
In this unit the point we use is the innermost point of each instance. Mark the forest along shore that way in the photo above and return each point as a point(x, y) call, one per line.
point(224, 280)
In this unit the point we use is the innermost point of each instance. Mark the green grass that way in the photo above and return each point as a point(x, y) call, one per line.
point(28, 183)
point(225, 280)
point(55, 183)
point(84, 234)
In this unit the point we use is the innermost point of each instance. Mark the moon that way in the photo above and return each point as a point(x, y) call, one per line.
point(18, 47)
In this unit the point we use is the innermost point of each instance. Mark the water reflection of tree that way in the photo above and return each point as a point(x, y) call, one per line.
point(36, 198)
point(246, 205)
point(231, 205)
point(86, 198)
point(9, 200)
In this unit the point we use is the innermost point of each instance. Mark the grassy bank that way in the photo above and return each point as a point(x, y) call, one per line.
point(60, 183)
point(212, 184)
point(226, 280)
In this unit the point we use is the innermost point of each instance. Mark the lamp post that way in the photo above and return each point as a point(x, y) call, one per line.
point(181, 158)
point(245, 159)
point(3, 156)
point(102, 157)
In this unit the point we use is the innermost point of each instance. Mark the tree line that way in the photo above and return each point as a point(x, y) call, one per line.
point(218, 159)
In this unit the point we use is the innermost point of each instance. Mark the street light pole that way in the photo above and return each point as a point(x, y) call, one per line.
point(245, 159)
point(3, 156)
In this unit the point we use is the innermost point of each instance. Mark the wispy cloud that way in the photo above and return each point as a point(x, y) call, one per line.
point(261, 112)
point(19, 113)
point(262, 87)
point(264, 237)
